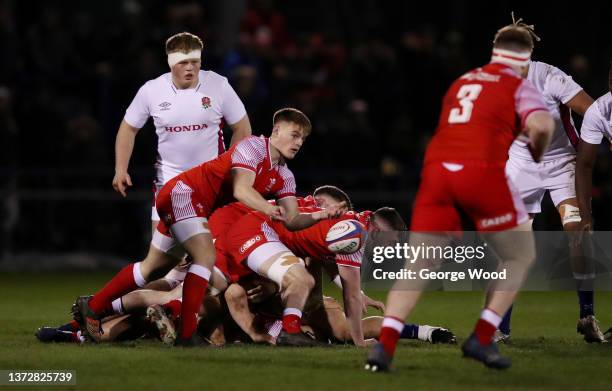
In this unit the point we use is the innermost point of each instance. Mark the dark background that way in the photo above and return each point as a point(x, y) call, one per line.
point(370, 74)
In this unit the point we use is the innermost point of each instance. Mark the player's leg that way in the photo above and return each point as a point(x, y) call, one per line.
point(274, 261)
point(238, 305)
point(434, 213)
point(156, 264)
point(138, 300)
point(583, 268)
point(515, 248)
point(371, 326)
point(501, 218)
point(198, 243)
point(404, 294)
point(526, 177)
point(561, 183)
point(425, 333)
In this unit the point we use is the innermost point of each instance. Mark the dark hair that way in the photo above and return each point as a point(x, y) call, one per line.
point(334, 192)
point(183, 42)
point(392, 217)
point(517, 36)
point(289, 114)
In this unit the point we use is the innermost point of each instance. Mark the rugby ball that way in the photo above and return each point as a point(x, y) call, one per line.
point(345, 237)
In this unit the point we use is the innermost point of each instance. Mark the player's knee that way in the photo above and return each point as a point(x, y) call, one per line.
point(300, 275)
point(286, 270)
point(297, 279)
point(235, 293)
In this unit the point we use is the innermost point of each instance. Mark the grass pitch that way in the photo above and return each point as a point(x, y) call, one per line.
point(546, 351)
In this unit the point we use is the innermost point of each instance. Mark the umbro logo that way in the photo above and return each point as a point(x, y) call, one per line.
point(165, 105)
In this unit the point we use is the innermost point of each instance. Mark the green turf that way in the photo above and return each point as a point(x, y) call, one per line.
point(547, 352)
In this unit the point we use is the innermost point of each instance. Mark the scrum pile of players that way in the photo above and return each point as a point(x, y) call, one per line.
point(246, 306)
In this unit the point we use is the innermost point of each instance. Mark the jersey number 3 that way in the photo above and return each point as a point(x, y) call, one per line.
point(467, 95)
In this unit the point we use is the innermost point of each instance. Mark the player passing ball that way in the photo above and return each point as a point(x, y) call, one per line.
point(254, 168)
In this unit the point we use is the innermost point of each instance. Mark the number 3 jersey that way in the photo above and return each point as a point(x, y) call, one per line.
point(482, 113)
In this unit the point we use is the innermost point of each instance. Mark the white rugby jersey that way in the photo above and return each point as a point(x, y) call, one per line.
point(557, 88)
point(597, 122)
point(187, 121)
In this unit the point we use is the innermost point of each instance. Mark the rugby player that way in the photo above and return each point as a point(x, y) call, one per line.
point(555, 173)
point(482, 113)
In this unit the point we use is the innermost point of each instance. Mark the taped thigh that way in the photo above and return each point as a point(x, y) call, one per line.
point(569, 214)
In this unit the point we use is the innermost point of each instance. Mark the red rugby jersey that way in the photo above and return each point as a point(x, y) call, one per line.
point(482, 113)
point(212, 181)
point(310, 242)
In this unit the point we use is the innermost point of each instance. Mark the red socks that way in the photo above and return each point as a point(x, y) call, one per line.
point(128, 279)
point(174, 307)
point(292, 320)
point(487, 324)
point(390, 333)
point(194, 289)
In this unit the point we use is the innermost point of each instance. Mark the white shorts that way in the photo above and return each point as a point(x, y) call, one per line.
point(533, 179)
point(167, 245)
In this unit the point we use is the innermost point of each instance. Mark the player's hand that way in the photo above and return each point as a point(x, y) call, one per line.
point(256, 294)
point(366, 302)
point(121, 182)
point(331, 212)
point(276, 212)
point(585, 228)
point(365, 343)
point(370, 342)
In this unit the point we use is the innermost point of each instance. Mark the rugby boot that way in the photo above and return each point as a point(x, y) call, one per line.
point(486, 354)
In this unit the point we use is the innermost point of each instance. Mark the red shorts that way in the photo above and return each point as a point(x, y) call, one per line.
point(479, 189)
point(245, 236)
point(177, 200)
point(225, 217)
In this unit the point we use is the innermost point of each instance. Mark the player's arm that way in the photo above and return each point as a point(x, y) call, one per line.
point(536, 122)
point(591, 135)
point(295, 221)
point(580, 103)
point(243, 180)
point(351, 293)
point(240, 129)
point(539, 128)
point(331, 269)
point(585, 161)
point(124, 146)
